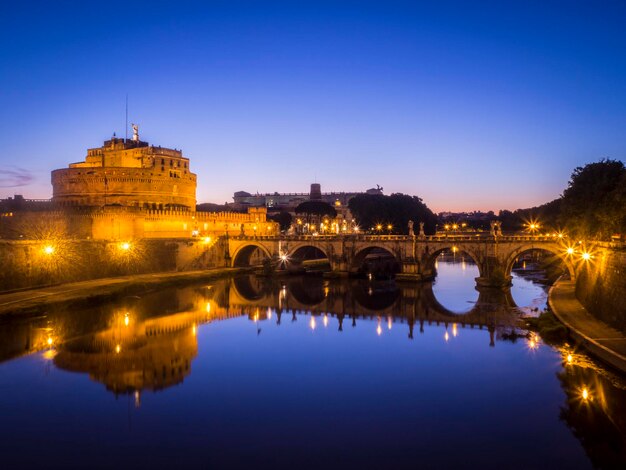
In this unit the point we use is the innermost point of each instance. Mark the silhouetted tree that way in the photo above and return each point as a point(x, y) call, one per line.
point(396, 209)
point(283, 218)
point(594, 203)
point(316, 209)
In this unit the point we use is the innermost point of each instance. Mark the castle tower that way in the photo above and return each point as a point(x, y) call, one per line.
point(127, 173)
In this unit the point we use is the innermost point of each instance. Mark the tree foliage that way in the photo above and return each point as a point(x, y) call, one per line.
point(318, 208)
point(396, 209)
point(594, 203)
point(592, 206)
point(283, 218)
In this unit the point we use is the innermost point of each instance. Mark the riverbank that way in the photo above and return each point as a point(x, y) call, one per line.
point(33, 300)
point(598, 338)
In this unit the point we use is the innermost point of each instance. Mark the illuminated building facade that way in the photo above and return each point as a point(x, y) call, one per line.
point(127, 173)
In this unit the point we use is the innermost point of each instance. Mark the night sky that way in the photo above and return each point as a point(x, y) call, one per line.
point(469, 105)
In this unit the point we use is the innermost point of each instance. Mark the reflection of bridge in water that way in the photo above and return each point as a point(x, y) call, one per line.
point(149, 343)
point(414, 257)
point(354, 299)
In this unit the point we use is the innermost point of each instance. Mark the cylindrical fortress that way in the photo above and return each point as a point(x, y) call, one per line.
point(127, 173)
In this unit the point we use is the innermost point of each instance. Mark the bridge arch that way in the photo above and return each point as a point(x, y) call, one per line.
point(556, 250)
point(299, 252)
point(360, 264)
point(431, 258)
point(243, 255)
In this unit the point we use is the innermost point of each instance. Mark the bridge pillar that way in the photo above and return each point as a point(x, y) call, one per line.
point(414, 271)
point(339, 267)
point(493, 274)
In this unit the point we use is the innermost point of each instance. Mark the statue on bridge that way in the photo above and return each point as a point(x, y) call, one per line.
point(411, 232)
point(242, 230)
point(422, 234)
point(496, 228)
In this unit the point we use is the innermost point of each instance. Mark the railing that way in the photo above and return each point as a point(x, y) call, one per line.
point(430, 238)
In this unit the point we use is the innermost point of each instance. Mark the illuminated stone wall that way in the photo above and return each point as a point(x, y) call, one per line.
point(127, 223)
point(28, 264)
point(601, 288)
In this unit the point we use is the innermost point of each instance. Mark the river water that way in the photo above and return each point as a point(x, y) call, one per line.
point(303, 372)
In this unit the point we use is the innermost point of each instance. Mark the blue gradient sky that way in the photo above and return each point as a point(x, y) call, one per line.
point(470, 106)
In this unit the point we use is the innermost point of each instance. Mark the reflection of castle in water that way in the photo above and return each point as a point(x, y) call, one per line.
point(151, 354)
point(149, 343)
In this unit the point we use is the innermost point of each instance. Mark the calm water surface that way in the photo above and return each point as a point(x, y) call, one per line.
point(303, 372)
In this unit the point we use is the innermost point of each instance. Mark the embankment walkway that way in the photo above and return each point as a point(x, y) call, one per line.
point(31, 300)
point(597, 337)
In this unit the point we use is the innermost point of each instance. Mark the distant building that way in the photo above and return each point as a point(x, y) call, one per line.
point(19, 203)
point(289, 201)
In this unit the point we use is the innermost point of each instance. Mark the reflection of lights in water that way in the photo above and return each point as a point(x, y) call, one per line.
point(208, 307)
point(524, 265)
point(49, 341)
point(49, 354)
point(326, 291)
point(379, 330)
point(312, 322)
point(389, 323)
point(370, 291)
point(463, 265)
point(269, 313)
point(436, 264)
point(325, 321)
point(454, 330)
point(137, 399)
point(585, 393)
point(369, 276)
point(118, 348)
point(533, 341)
point(446, 336)
point(193, 330)
point(126, 319)
point(569, 358)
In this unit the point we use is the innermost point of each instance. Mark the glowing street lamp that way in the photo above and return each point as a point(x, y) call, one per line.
point(124, 246)
point(48, 249)
point(586, 256)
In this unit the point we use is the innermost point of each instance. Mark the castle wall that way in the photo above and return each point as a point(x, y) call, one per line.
point(138, 187)
point(26, 264)
point(128, 223)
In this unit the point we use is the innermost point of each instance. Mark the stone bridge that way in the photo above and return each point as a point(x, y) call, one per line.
point(414, 256)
